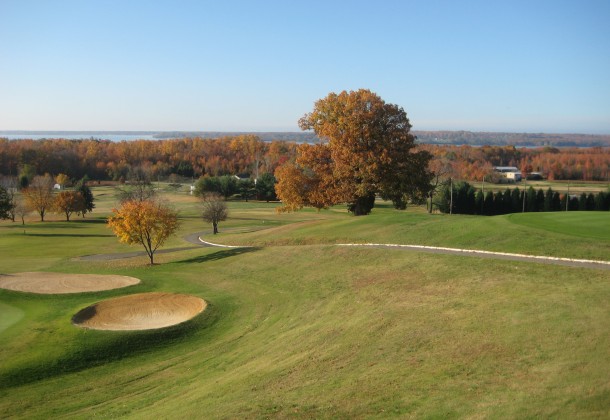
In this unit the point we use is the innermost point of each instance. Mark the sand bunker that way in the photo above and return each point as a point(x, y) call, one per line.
point(143, 311)
point(55, 283)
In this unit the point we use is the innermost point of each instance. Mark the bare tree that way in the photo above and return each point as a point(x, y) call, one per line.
point(21, 209)
point(214, 209)
point(138, 189)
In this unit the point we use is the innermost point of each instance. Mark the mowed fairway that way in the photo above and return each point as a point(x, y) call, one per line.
point(298, 327)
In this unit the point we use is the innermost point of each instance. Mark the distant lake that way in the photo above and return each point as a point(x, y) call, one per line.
point(77, 136)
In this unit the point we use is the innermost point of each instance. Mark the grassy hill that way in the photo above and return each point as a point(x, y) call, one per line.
point(298, 327)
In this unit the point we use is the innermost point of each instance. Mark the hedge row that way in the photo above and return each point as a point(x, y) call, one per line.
point(468, 200)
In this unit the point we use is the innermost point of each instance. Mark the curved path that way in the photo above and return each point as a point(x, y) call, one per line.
point(196, 239)
point(570, 262)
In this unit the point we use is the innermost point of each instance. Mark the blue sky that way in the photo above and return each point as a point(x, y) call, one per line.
point(518, 66)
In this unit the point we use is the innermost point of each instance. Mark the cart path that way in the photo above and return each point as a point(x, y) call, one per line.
point(196, 239)
point(570, 262)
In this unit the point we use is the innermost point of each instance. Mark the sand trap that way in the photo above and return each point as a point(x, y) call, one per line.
point(55, 283)
point(142, 311)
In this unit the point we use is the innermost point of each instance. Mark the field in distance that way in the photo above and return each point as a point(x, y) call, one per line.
point(299, 327)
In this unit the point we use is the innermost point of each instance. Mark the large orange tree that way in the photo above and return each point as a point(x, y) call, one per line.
point(146, 222)
point(366, 149)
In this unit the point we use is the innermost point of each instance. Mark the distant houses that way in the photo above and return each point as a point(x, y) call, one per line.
point(508, 173)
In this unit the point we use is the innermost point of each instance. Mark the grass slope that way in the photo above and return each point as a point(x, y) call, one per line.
point(319, 331)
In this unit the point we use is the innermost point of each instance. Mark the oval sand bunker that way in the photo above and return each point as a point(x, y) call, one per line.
point(56, 283)
point(142, 311)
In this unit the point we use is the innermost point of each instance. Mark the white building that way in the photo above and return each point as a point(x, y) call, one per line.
point(510, 173)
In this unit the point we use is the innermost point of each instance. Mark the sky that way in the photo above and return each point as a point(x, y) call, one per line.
point(514, 66)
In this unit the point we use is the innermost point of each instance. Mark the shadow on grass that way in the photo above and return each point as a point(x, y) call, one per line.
point(74, 235)
point(89, 221)
point(111, 346)
point(225, 253)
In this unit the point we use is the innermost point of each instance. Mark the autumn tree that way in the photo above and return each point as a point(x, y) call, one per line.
point(309, 181)
point(369, 150)
point(145, 222)
point(39, 195)
point(62, 179)
point(214, 209)
point(68, 202)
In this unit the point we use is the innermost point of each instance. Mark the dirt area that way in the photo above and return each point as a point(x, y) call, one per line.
point(142, 311)
point(58, 283)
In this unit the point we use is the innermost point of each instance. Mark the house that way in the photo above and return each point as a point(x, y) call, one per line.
point(508, 173)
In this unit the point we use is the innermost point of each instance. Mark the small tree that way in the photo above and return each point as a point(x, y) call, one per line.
point(214, 210)
point(68, 202)
point(39, 195)
point(62, 180)
point(146, 222)
point(138, 189)
point(21, 209)
point(88, 200)
point(6, 204)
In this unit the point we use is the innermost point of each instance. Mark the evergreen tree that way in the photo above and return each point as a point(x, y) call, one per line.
point(530, 204)
point(548, 200)
point(540, 200)
point(590, 203)
point(507, 202)
point(516, 201)
point(556, 202)
point(488, 204)
point(5, 204)
point(498, 203)
point(478, 202)
point(582, 202)
point(562, 206)
point(87, 196)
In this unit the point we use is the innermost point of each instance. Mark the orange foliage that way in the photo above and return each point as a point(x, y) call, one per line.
point(147, 222)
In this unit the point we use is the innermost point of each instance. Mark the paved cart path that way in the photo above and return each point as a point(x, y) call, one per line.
point(196, 239)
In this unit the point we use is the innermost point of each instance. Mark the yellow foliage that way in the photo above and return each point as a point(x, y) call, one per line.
point(147, 222)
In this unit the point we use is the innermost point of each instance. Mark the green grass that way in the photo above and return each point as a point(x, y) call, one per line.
point(307, 329)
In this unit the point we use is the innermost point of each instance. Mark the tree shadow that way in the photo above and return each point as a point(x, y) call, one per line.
point(73, 235)
point(88, 221)
point(225, 253)
point(110, 346)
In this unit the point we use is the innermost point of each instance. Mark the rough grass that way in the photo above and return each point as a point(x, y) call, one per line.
point(317, 331)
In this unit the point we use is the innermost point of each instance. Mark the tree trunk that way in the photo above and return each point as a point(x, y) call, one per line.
point(215, 227)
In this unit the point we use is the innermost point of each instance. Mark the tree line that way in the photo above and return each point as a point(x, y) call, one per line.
point(119, 161)
point(474, 163)
point(248, 155)
point(39, 196)
point(463, 198)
